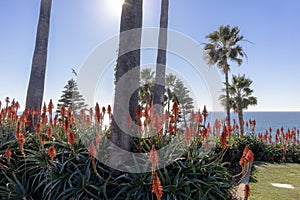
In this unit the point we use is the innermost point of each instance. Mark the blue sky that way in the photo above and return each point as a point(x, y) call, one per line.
point(79, 26)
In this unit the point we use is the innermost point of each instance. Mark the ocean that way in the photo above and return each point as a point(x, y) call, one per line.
point(275, 120)
point(265, 120)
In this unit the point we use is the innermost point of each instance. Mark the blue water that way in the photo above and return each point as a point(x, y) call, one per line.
point(265, 120)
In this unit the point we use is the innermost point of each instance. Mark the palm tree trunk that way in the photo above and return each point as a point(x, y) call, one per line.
point(128, 63)
point(159, 87)
point(241, 119)
point(227, 96)
point(35, 89)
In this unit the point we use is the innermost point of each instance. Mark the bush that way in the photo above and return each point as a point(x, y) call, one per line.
point(262, 152)
point(53, 163)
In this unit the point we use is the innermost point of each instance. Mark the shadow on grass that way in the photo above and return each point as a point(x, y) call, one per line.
point(253, 177)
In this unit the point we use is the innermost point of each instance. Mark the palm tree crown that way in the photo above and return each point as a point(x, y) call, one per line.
point(223, 47)
point(240, 93)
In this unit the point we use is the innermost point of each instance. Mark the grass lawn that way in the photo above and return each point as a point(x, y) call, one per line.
point(266, 173)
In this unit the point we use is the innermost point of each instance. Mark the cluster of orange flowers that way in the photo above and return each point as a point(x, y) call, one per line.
point(148, 120)
point(45, 123)
point(245, 162)
point(197, 128)
point(95, 115)
point(157, 188)
point(9, 111)
point(281, 137)
point(194, 129)
point(247, 158)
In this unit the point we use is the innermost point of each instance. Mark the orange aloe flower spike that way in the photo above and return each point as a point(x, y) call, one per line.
point(242, 162)
point(157, 189)
point(49, 132)
point(187, 136)
point(63, 111)
point(44, 108)
point(246, 149)
point(97, 113)
point(71, 138)
point(223, 139)
point(175, 108)
point(109, 109)
point(8, 154)
point(204, 112)
point(250, 156)
point(50, 107)
point(92, 150)
point(153, 157)
point(21, 141)
point(52, 153)
point(38, 128)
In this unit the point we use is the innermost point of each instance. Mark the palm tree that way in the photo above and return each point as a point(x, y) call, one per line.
point(240, 97)
point(159, 87)
point(128, 63)
point(35, 89)
point(146, 86)
point(223, 47)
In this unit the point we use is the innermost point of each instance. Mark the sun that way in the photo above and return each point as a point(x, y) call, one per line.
point(115, 6)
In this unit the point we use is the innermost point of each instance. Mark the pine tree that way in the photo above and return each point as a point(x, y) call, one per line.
point(181, 95)
point(71, 97)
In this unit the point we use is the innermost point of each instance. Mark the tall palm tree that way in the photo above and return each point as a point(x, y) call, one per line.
point(35, 89)
point(223, 47)
point(240, 97)
point(128, 61)
point(159, 87)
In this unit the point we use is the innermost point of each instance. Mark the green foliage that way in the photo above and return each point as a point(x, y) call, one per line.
point(262, 152)
point(29, 172)
point(239, 94)
point(175, 90)
point(147, 86)
point(191, 176)
point(71, 97)
point(74, 174)
point(224, 47)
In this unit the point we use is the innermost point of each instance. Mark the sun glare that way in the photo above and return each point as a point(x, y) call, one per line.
point(114, 6)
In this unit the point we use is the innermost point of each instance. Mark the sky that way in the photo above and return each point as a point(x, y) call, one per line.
point(78, 27)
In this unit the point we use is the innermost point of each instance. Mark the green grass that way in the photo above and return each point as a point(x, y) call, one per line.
point(266, 173)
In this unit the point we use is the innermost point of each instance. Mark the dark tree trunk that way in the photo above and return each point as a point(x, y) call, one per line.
point(241, 119)
point(127, 72)
point(35, 89)
point(159, 87)
point(227, 96)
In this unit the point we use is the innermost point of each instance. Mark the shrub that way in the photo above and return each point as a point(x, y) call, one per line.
point(52, 162)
